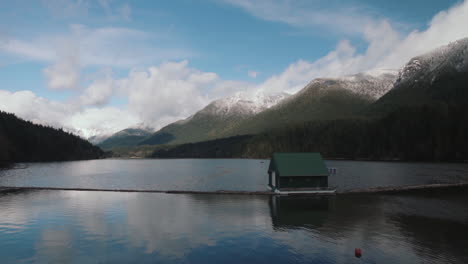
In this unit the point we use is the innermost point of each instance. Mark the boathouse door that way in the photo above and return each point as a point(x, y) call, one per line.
point(273, 179)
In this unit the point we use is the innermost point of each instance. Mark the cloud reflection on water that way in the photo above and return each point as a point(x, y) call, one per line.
point(71, 226)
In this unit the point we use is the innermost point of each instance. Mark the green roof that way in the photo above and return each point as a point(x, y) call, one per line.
point(298, 164)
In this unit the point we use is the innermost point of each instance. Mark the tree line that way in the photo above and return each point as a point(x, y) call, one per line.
point(435, 132)
point(23, 141)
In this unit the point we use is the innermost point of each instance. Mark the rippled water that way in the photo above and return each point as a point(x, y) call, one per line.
point(218, 174)
point(106, 227)
point(114, 227)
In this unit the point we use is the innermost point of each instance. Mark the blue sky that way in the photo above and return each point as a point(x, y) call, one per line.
point(140, 60)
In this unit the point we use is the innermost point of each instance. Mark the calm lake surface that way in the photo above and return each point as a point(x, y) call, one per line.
point(114, 227)
point(218, 174)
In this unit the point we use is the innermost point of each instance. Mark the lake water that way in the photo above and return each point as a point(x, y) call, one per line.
point(110, 227)
point(115, 227)
point(219, 174)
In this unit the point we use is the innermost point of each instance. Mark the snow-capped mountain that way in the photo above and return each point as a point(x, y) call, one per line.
point(251, 113)
point(241, 104)
point(321, 99)
point(140, 129)
point(216, 118)
point(372, 84)
point(438, 77)
point(453, 57)
point(134, 131)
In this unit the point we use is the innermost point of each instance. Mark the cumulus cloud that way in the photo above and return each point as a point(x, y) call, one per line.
point(168, 92)
point(64, 74)
point(386, 48)
point(70, 116)
point(101, 89)
point(445, 27)
point(27, 105)
point(156, 96)
point(98, 121)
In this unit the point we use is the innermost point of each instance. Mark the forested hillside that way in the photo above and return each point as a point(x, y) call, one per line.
point(424, 133)
point(23, 141)
point(216, 120)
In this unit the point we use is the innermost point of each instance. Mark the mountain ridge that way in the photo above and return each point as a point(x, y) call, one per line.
point(437, 77)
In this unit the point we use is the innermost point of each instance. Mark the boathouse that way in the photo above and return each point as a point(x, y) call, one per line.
point(297, 172)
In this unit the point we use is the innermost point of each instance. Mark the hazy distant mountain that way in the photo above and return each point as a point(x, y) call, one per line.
point(215, 119)
point(126, 137)
point(96, 139)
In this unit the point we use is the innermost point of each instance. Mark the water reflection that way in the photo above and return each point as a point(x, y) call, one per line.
point(105, 227)
point(297, 212)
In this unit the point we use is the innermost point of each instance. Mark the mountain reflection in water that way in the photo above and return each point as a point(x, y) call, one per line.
point(106, 227)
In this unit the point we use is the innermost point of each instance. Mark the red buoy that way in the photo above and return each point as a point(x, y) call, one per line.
point(357, 252)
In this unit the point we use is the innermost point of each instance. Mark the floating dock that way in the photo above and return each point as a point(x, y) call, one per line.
point(376, 190)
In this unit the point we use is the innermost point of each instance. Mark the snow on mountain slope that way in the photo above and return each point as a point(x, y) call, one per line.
point(453, 56)
point(133, 132)
point(140, 129)
point(241, 104)
point(372, 84)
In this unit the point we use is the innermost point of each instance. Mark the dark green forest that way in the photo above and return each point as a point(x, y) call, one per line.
point(23, 141)
point(422, 133)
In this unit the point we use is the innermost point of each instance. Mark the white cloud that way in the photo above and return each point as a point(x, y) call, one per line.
point(106, 46)
point(167, 92)
point(97, 121)
point(69, 116)
point(305, 13)
point(64, 74)
point(69, 53)
point(445, 27)
point(386, 48)
point(26, 105)
point(156, 97)
point(99, 92)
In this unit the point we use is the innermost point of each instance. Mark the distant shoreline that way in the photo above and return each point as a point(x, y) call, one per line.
point(325, 158)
